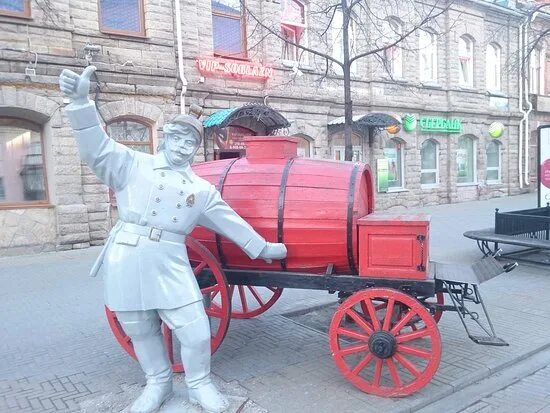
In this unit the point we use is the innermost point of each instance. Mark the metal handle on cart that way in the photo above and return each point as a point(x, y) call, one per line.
point(510, 266)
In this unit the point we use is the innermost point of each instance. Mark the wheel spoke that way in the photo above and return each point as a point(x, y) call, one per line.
point(197, 270)
point(231, 291)
point(359, 321)
point(414, 351)
point(274, 289)
point(242, 294)
point(353, 334)
point(209, 290)
point(378, 372)
point(389, 314)
point(407, 364)
point(372, 314)
point(256, 295)
point(402, 338)
point(393, 372)
point(402, 323)
point(362, 364)
point(352, 350)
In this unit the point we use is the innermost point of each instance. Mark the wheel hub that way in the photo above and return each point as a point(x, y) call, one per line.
point(382, 344)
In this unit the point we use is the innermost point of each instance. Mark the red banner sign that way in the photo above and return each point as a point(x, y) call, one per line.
point(234, 68)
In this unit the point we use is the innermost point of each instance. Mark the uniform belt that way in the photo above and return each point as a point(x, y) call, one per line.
point(154, 234)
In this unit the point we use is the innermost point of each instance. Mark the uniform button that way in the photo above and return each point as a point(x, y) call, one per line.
point(163, 174)
point(181, 192)
point(157, 199)
point(174, 219)
point(178, 205)
point(161, 187)
point(183, 181)
point(154, 213)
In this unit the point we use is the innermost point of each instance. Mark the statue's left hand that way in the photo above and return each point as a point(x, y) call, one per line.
point(273, 251)
point(76, 86)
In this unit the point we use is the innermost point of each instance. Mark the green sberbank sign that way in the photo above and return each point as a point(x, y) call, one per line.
point(436, 124)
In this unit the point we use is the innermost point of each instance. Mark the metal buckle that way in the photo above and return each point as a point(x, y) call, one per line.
point(155, 234)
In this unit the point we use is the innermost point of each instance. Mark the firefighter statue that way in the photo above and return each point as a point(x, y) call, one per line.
point(147, 275)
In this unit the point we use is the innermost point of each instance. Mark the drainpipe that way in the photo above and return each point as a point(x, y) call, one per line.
point(520, 102)
point(180, 57)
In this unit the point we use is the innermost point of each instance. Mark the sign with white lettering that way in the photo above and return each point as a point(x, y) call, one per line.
point(436, 124)
point(234, 68)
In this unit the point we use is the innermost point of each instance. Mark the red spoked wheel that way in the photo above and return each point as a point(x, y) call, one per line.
point(249, 301)
point(378, 354)
point(439, 299)
point(216, 301)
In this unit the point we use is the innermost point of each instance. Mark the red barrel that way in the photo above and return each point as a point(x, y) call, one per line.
point(310, 205)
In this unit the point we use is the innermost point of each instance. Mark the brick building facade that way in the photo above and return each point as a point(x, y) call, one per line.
point(49, 200)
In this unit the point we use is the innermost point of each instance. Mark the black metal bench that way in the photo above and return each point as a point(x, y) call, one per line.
point(529, 228)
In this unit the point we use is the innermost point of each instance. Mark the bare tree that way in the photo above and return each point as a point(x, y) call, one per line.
point(342, 32)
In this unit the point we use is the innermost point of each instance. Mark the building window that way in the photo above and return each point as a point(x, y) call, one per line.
point(393, 152)
point(428, 56)
point(466, 160)
point(2, 190)
point(228, 28)
point(536, 71)
point(493, 162)
point(466, 61)
point(293, 29)
point(122, 17)
point(16, 8)
point(337, 30)
point(132, 133)
point(493, 67)
point(429, 163)
point(393, 56)
point(22, 167)
point(339, 153)
point(304, 145)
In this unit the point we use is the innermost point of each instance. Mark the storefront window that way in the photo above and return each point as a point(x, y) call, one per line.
point(339, 153)
point(493, 162)
point(429, 160)
point(466, 160)
point(22, 169)
point(228, 28)
point(394, 154)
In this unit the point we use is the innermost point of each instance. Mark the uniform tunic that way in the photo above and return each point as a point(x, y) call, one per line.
point(139, 272)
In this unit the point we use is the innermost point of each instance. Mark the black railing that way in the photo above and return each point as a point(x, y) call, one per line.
point(526, 223)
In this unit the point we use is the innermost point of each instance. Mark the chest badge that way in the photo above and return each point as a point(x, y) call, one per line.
point(190, 201)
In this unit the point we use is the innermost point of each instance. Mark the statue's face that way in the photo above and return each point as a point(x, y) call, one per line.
point(181, 145)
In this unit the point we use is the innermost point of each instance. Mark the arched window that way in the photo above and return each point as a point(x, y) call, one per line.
point(466, 61)
point(22, 166)
point(428, 56)
point(337, 31)
point(492, 74)
point(393, 56)
point(122, 17)
point(304, 145)
point(493, 162)
point(228, 28)
point(536, 71)
point(395, 156)
point(293, 29)
point(429, 163)
point(466, 160)
point(131, 132)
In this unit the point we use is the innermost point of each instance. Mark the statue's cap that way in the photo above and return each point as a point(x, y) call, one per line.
point(189, 121)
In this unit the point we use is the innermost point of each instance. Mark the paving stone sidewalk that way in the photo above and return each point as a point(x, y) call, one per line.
point(57, 353)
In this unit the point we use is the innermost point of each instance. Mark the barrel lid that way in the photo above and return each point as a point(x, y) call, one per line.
point(271, 147)
point(383, 218)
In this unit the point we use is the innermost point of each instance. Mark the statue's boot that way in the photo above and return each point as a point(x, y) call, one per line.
point(151, 354)
point(195, 355)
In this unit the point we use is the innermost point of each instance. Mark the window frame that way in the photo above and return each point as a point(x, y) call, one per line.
point(429, 171)
point(342, 149)
point(45, 203)
point(352, 36)
point(401, 155)
point(129, 33)
point(539, 56)
point(25, 14)
point(495, 66)
point(474, 161)
point(135, 119)
point(293, 27)
point(493, 168)
point(243, 54)
point(433, 47)
point(389, 54)
point(468, 44)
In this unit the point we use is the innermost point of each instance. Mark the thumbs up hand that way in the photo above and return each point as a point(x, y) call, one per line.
point(76, 86)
